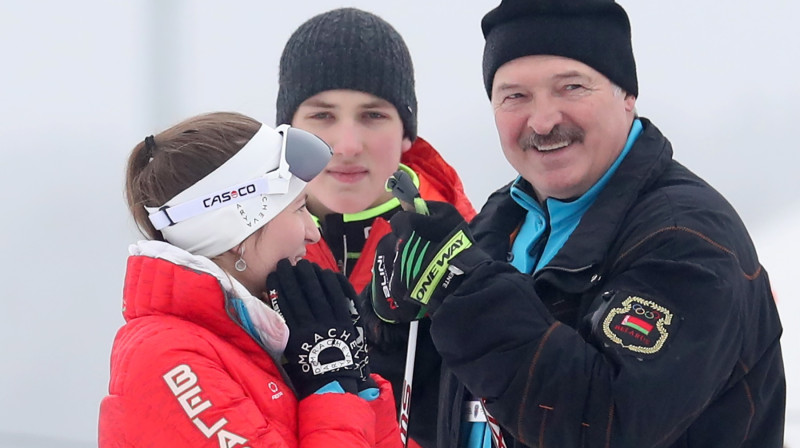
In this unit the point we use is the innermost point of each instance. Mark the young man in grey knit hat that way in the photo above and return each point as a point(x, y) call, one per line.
point(607, 296)
point(346, 75)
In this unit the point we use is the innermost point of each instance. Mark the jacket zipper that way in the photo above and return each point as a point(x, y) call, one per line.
point(344, 257)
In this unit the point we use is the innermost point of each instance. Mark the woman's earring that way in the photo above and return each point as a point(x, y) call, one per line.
point(240, 264)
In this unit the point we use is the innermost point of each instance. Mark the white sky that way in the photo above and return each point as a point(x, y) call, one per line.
point(83, 81)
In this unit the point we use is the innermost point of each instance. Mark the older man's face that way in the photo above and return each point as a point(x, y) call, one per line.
point(561, 123)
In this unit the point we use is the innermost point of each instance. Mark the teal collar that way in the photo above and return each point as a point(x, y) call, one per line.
point(544, 232)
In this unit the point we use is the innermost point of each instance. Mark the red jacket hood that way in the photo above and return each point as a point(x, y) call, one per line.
point(438, 180)
point(156, 287)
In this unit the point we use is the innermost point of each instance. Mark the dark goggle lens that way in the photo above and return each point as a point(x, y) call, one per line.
point(306, 154)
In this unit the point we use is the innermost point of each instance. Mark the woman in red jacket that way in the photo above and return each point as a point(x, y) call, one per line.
point(212, 354)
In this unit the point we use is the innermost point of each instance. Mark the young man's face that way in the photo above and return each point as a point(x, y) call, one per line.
point(561, 123)
point(366, 135)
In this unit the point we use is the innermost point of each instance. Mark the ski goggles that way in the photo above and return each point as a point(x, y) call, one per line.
point(221, 210)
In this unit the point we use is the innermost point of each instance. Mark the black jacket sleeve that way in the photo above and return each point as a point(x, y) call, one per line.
point(552, 385)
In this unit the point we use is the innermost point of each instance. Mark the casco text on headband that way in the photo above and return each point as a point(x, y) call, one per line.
point(222, 209)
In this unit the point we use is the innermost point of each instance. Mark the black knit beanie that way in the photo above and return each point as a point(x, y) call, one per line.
point(347, 49)
point(595, 32)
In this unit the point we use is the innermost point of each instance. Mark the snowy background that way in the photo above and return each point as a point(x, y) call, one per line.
point(81, 82)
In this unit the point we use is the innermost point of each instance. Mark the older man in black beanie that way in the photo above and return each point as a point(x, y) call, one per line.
point(607, 296)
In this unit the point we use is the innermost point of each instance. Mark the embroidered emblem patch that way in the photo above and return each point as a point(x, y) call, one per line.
point(639, 325)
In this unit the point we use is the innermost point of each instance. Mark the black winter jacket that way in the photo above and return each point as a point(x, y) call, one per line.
point(653, 326)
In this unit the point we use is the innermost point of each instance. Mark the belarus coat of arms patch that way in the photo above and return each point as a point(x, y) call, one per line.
point(639, 325)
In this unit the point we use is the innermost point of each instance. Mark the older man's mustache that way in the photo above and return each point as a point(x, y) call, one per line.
point(558, 137)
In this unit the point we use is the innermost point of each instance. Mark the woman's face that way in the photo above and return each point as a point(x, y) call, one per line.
point(285, 236)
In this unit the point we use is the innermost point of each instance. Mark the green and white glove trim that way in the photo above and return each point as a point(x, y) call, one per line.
point(438, 272)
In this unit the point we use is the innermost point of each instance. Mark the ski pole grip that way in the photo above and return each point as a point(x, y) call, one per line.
point(403, 188)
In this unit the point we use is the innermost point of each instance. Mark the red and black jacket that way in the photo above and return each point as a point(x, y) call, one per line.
point(438, 181)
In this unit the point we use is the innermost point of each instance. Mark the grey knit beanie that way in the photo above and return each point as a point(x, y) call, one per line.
point(350, 49)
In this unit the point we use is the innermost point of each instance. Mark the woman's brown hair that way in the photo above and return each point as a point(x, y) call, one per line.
point(178, 157)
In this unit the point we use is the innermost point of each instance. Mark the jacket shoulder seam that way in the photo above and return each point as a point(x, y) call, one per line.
point(700, 235)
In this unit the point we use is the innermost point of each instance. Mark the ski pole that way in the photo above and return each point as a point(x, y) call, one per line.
point(403, 188)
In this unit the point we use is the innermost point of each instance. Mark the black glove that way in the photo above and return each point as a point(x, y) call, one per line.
point(386, 292)
point(360, 355)
point(383, 336)
point(324, 344)
point(433, 253)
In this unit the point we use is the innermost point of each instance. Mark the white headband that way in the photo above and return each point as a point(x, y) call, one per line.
point(243, 194)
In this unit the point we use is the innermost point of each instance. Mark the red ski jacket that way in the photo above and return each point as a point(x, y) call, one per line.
point(184, 373)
